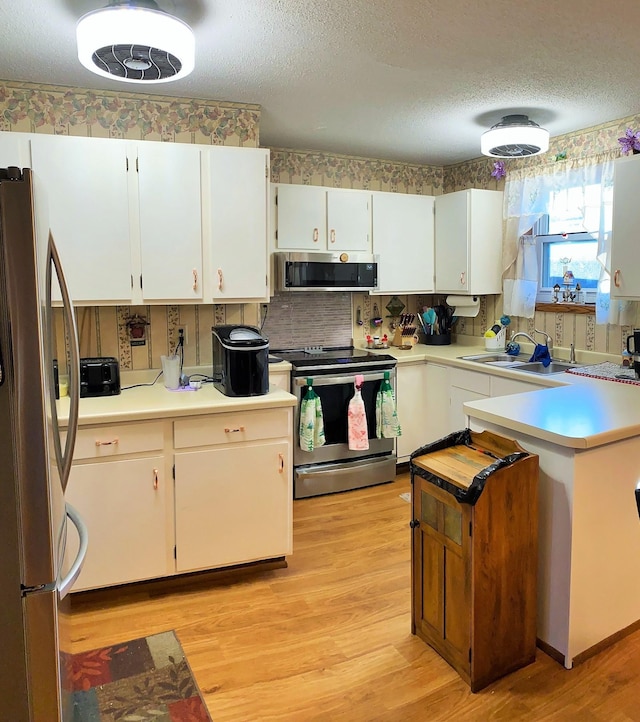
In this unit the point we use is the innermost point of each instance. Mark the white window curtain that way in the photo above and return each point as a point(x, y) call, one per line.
point(528, 196)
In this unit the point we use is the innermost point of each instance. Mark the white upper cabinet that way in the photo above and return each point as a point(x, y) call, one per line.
point(468, 242)
point(315, 218)
point(85, 180)
point(625, 270)
point(14, 149)
point(236, 186)
point(170, 216)
point(403, 241)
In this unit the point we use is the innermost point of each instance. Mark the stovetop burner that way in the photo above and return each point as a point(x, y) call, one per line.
point(333, 358)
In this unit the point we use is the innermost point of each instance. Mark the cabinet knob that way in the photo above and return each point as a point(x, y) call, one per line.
point(155, 479)
point(414, 523)
point(462, 277)
point(229, 430)
point(333, 235)
point(280, 463)
point(616, 278)
point(195, 279)
point(220, 279)
point(315, 235)
point(113, 442)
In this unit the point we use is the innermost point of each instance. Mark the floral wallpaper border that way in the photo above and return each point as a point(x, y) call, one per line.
point(34, 108)
point(602, 138)
point(309, 167)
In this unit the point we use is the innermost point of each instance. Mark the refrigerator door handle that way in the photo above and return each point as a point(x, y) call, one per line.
point(64, 460)
point(65, 585)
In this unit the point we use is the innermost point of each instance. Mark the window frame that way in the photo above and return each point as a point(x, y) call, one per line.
point(545, 293)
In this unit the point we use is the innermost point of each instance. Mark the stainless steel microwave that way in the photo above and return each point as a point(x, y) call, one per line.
point(339, 271)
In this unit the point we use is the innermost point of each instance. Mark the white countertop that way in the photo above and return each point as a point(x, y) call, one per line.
point(155, 402)
point(574, 411)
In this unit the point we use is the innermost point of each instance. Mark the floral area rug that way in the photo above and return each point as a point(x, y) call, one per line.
point(144, 680)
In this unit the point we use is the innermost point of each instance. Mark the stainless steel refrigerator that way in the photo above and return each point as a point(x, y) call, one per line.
point(35, 461)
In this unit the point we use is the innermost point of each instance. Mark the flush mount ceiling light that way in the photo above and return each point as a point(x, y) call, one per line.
point(515, 136)
point(136, 42)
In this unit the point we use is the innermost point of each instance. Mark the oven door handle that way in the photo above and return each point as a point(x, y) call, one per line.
point(342, 379)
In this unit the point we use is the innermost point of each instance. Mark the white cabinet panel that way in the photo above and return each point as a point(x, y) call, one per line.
point(86, 184)
point(625, 270)
point(348, 220)
point(301, 217)
point(316, 218)
point(403, 240)
point(468, 242)
point(124, 505)
point(14, 150)
point(233, 505)
point(237, 200)
point(413, 408)
point(170, 214)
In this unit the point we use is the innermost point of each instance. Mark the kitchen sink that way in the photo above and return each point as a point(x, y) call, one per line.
point(537, 367)
point(497, 359)
point(519, 363)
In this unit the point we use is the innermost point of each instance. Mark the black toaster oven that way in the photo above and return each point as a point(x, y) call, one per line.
point(99, 376)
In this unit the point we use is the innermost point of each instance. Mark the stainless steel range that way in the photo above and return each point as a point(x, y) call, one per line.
point(334, 467)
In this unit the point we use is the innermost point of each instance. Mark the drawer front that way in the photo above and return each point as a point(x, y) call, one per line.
point(98, 442)
point(232, 427)
point(472, 381)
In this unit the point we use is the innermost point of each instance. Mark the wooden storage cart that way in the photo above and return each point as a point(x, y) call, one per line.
point(474, 553)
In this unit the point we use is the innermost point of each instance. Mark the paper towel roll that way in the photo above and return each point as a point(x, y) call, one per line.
point(467, 306)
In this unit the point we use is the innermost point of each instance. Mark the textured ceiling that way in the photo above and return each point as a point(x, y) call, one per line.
point(407, 80)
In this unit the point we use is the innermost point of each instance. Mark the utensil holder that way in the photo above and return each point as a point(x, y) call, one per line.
point(497, 342)
point(438, 339)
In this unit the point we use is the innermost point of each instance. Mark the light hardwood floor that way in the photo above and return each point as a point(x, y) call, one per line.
point(328, 638)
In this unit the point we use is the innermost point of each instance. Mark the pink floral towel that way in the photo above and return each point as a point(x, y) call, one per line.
point(357, 419)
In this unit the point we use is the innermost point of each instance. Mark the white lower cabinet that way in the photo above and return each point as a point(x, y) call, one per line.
point(230, 501)
point(124, 505)
point(232, 505)
point(422, 392)
point(233, 488)
point(413, 407)
point(466, 386)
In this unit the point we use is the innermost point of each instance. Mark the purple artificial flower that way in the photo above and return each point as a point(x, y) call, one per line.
point(498, 170)
point(630, 141)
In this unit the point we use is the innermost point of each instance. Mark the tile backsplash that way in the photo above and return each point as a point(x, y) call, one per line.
point(314, 318)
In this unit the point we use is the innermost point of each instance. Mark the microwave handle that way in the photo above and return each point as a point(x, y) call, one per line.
point(342, 379)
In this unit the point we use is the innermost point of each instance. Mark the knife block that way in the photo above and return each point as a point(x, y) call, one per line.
point(399, 339)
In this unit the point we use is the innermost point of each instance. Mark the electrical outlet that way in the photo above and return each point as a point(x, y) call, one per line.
point(183, 334)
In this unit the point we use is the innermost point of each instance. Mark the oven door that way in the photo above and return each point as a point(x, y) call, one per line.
point(335, 392)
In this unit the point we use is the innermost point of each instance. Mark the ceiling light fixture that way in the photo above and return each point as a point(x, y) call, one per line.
point(515, 136)
point(135, 42)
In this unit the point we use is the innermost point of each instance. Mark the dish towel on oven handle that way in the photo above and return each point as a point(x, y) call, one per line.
point(358, 430)
point(387, 424)
point(311, 421)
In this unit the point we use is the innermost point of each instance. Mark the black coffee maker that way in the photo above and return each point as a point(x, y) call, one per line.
point(240, 360)
point(634, 341)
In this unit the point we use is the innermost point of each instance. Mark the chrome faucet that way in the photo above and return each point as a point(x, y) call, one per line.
point(522, 333)
point(547, 338)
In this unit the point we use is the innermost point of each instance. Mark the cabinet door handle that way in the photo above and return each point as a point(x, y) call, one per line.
point(333, 235)
point(220, 279)
point(155, 480)
point(113, 442)
point(315, 235)
point(414, 523)
point(228, 430)
point(616, 278)
point(195, 279)
point(280, 463)
point(462, 277)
